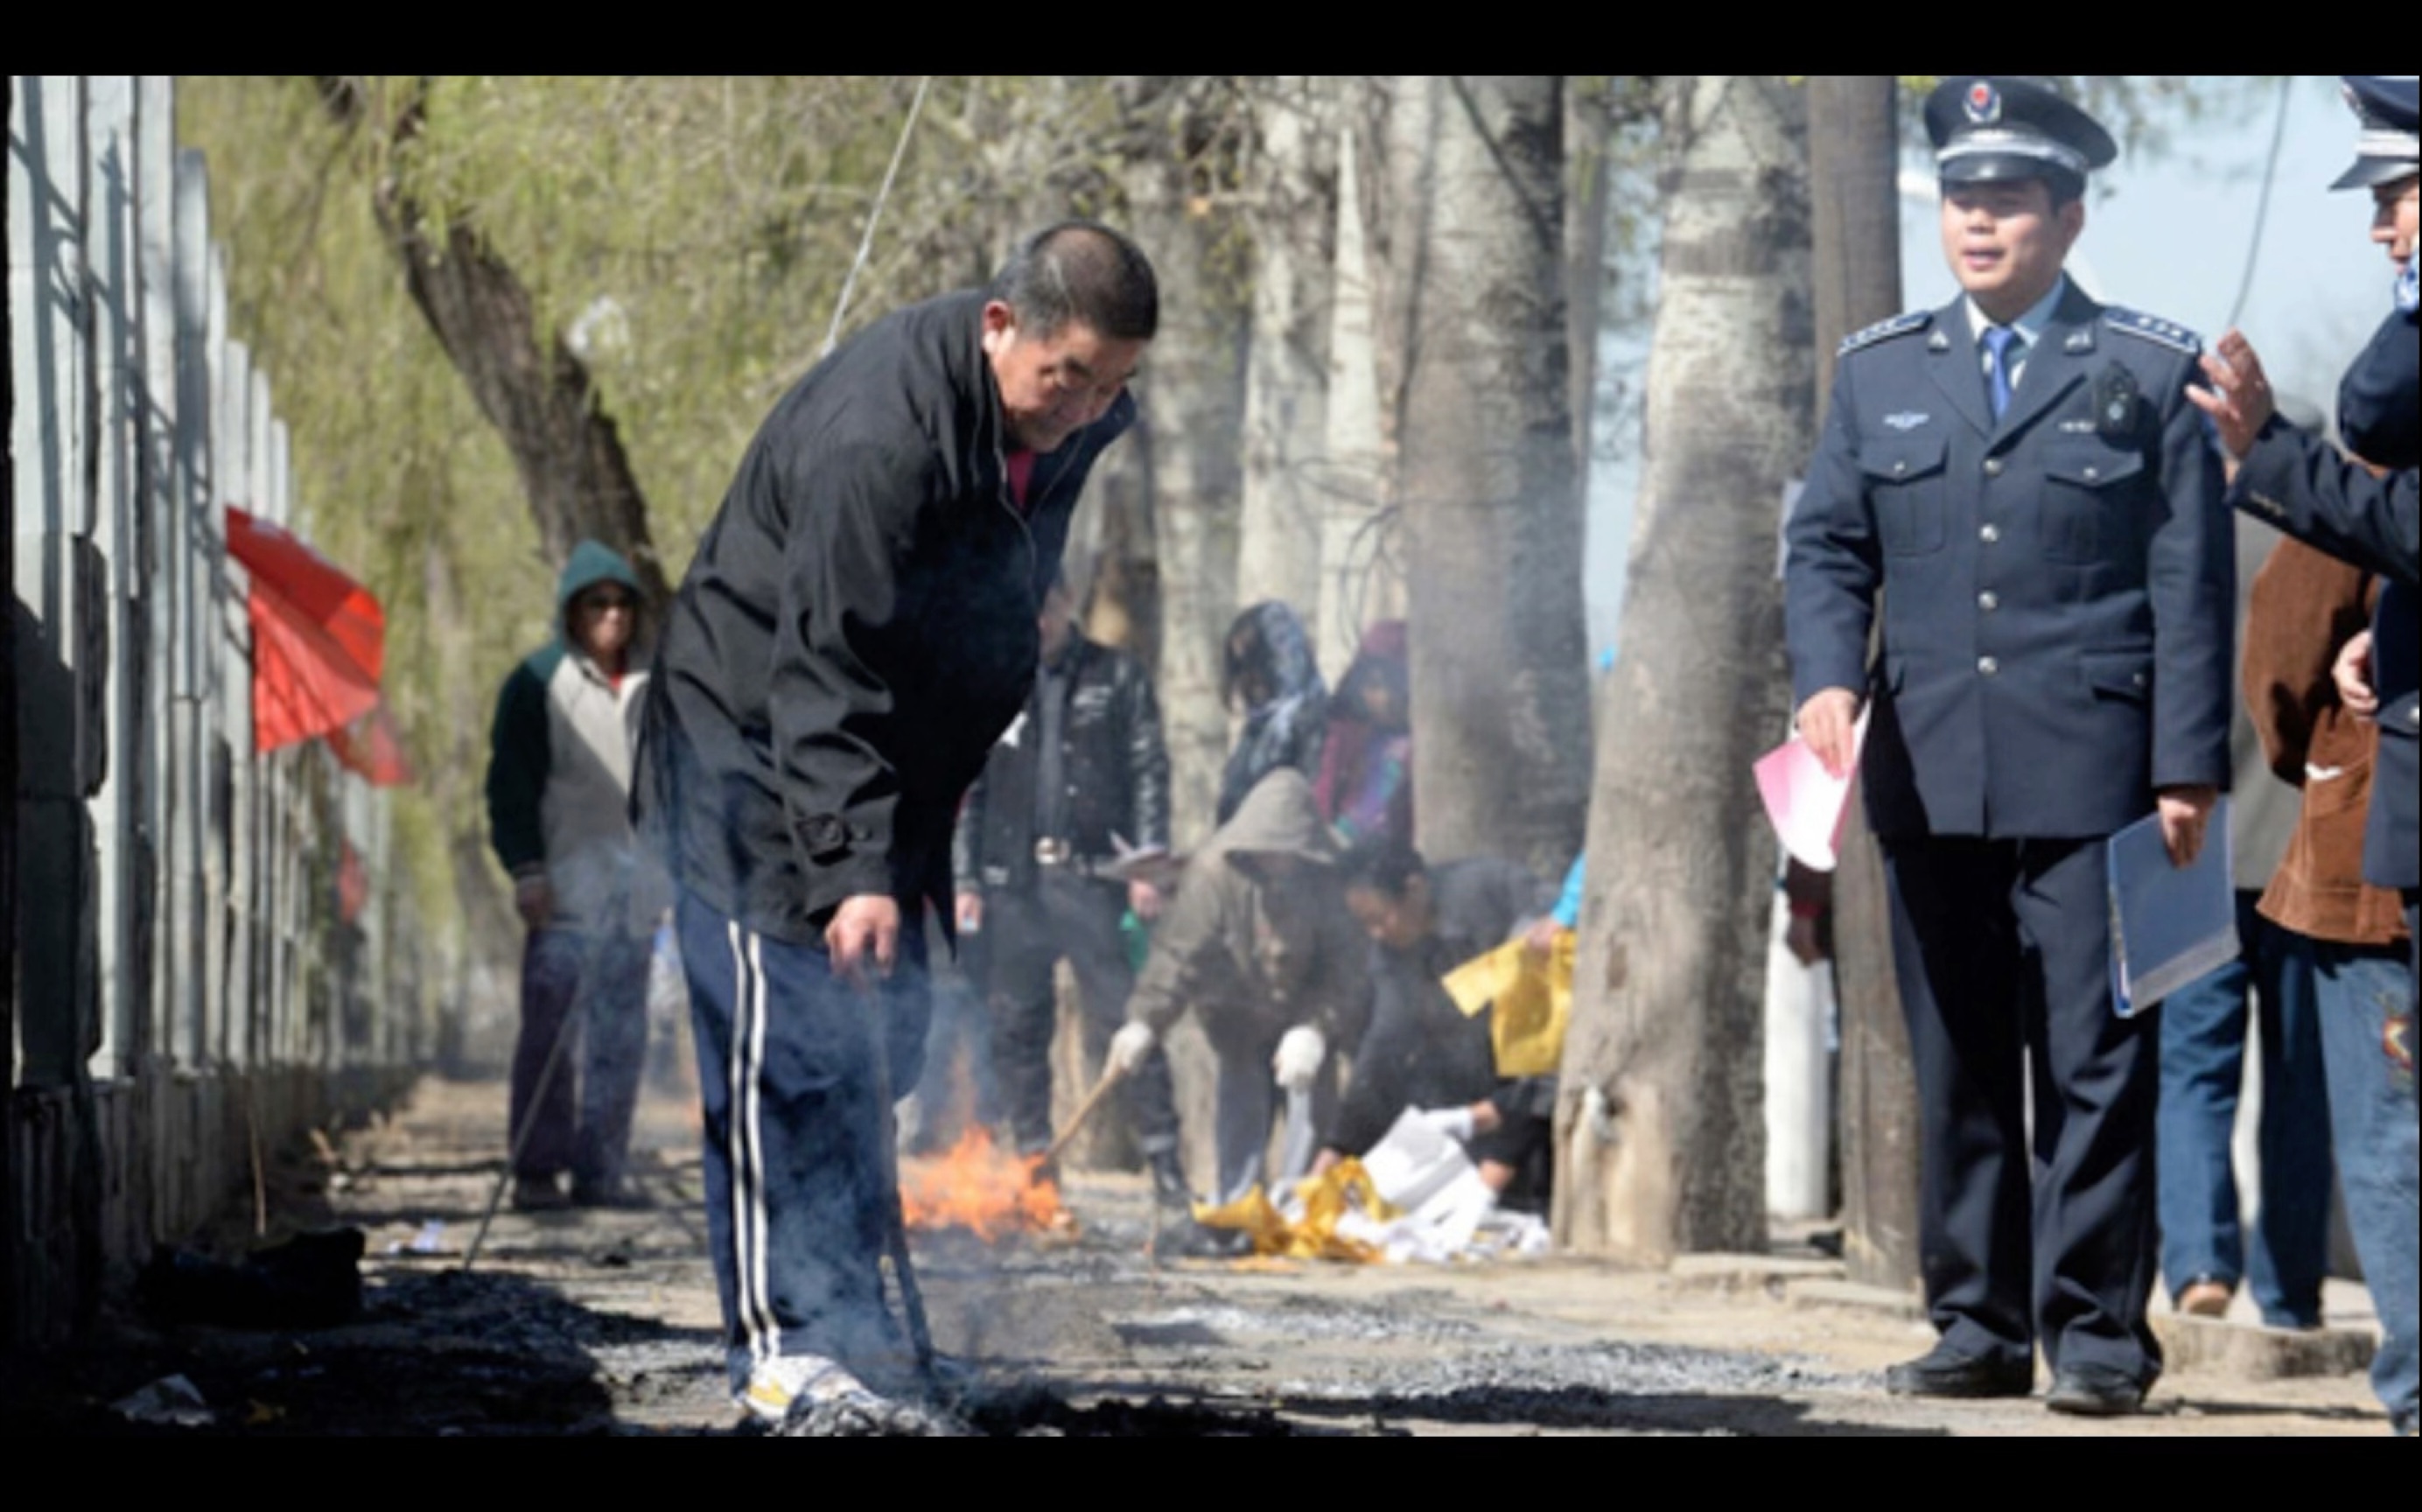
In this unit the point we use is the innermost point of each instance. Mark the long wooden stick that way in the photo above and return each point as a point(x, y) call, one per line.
point(1084, 1110)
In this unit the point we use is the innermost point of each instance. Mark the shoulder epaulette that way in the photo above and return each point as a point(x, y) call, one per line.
point(2154, 329)
point(1885, 330)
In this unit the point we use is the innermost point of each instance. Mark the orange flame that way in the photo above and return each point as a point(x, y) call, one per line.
point(984, 1189)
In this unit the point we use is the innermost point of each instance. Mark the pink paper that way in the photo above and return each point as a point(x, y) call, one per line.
point(1806, 804)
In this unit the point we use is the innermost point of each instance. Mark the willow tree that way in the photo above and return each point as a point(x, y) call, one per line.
point(1659, 1125)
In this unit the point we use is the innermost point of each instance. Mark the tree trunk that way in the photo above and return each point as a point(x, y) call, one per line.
point(1485, 468)
point(1853, 151)
point(1192, 398)
point(1293, 214)
point(1660, 1125)
point(1361, 570)
point(532, 388)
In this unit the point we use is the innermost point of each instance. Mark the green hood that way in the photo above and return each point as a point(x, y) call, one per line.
point(591, 562)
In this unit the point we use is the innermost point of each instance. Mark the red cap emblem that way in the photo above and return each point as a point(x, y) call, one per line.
point(1984, 103)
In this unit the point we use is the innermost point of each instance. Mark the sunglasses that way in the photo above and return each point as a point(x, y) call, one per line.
point(604, 603)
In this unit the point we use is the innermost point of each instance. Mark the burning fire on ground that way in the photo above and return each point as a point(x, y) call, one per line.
point(986, 1191)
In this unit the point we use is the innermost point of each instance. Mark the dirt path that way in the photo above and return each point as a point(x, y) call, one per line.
point(604, 1322)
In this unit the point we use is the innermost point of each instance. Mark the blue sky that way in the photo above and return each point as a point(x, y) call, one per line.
point(2169, 234)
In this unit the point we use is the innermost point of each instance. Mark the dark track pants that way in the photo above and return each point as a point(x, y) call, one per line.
point(794, 1068)
point(2003, 949)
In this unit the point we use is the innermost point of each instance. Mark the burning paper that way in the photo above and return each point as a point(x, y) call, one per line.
point(982, 1189)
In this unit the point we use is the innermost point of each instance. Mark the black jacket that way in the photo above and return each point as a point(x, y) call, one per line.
point(856, 627)
point(1115, 770)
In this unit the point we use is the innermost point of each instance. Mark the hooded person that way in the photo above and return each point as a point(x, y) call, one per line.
point(558, 788)
point(1365, 786)
point(1268, 668)
point(1258, 944)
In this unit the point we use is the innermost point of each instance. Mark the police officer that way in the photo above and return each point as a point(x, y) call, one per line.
point(2295, 479)
point(2371, 516)
point(2021, 477)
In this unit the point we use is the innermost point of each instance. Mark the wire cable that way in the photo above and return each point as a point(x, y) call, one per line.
point(866, 241)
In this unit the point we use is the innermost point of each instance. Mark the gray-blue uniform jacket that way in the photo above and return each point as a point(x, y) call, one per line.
point(2300, 483)
point(2058, 587)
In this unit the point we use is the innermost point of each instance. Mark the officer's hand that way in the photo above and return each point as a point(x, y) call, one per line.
point(2351, 672)
point(1826, 722)
point(1298, 1057)
point(2239, 401)
point(1144, 899)
point(864, 936)
point(1541, 937)
point(534, 900)
point(2185, 812)
point(968, 910)
point(1128, 1048)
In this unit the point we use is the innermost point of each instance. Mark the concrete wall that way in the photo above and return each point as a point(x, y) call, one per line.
point(177, 991)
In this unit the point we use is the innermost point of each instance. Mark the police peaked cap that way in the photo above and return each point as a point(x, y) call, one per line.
point(1988, 128)
point(2388, 147)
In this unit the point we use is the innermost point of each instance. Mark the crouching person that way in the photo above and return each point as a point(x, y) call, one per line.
point(1259, 945)
point(1423, 1052)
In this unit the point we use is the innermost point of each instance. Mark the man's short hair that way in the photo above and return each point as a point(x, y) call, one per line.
point(1080, 270)
point(1382, 864)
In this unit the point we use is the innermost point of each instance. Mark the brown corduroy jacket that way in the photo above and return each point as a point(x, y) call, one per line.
point(2306, 604)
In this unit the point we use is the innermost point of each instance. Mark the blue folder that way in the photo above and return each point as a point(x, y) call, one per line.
point(2169, 924)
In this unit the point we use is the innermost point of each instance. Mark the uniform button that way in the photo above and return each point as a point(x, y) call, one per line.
point(1989, 534)
point(1993, 467)
point(2092, 473)
point(1988, 601)
point(1899, 468)
point(1987, 666)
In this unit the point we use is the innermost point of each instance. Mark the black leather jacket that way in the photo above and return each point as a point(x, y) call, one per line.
point(1113, 761)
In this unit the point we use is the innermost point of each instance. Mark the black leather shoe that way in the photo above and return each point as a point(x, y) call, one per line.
point(1944, 1372)
point(2095, 1391)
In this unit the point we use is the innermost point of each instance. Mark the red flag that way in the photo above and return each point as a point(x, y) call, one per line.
point(370, 746)
point(352, 882)
point(319, 638)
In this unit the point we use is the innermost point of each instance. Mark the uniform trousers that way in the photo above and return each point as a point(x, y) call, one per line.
point(2036, 1192)
point(798, 1069)
point(590, 990)
point(1028, 931)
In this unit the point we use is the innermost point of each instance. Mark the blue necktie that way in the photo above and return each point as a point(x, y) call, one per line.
point(1998, 339)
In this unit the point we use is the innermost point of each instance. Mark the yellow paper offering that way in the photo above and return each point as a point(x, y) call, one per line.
point(1534, 998)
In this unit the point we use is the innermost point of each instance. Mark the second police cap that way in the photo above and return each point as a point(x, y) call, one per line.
point(1987, 127)
point(2387, 145)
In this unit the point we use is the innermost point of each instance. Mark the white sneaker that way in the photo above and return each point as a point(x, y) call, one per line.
point(776, 1384)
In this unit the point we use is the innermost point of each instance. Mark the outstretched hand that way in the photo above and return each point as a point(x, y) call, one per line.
point(2239, 401)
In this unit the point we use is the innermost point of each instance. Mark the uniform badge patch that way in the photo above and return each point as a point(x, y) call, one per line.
point(1984, 103)
point(2114, 401)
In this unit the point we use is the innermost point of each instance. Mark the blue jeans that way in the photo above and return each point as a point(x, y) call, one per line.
point(578, 1116)
point(2203, 1057)
point(2367, 1013)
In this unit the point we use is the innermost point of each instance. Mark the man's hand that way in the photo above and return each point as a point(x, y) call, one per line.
point(968, 908)
point(2239, 401)
point(1298, 1057)
point(1541, 937)
point(534, 900)
point(1128, 1048)
point(864, 931)
point(2351, 672)
point(1827, 722)
point(2185, 812)
point(1144, 899)
point(1805, 941)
